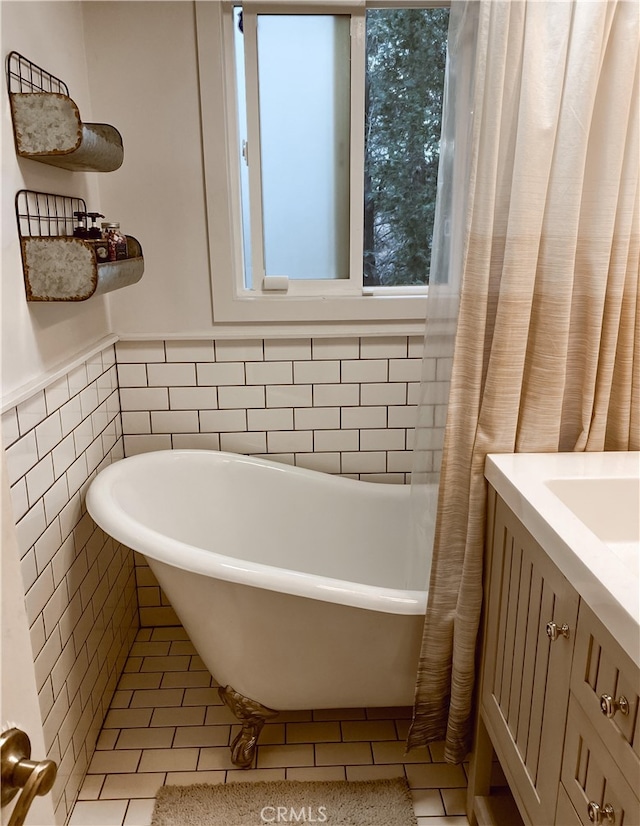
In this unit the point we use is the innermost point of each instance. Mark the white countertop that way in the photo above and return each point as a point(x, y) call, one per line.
point(584, 510)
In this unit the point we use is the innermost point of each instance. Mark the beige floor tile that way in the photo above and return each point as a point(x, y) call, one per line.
point(169, 663)
point(132, 665)
point(128, 718)
point(201, 697)
point(215, 758)
point(275, 757)
point(272, 734)
point(98, 813)
point(169, 760)
point(182, 647)
point(443, 820)
point(107, 738)
point(157, 697)
point(220, 715)
point(455, 801)
point(201, 736)
point(254, 775)
point(436, 776)
point(184, 679)
point(188, 716)
point(150, 649)
point(368, 730)
point(139, 813)
point(169, 632)
point(343, 754)
point(317, 773)
point(157, 615)
point(393, 751)
point(375, 772)
point(122, 786)
point(189, 778)
point(437, 752)
point(144, 634)
point(294, 716)
point(319, 732)
point(427, 802)
point(114, 762)
point(90, 789)
point(121, 698)
point(145, 738)
point(140, 680)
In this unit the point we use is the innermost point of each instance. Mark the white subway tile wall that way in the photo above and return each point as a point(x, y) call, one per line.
point(79, 584)
point(354, 399)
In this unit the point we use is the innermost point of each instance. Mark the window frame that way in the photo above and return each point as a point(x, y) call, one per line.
point(305, 301)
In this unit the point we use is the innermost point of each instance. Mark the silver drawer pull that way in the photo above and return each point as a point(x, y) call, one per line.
point(554, 631)
point(598, 814)
point(609, 706)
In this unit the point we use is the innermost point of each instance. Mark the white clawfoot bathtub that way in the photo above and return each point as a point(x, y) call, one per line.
point(296, 588)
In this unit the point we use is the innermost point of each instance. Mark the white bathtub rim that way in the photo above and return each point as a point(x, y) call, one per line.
point(155, 545)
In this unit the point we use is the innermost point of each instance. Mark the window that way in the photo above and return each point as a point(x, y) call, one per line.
point(333, 126)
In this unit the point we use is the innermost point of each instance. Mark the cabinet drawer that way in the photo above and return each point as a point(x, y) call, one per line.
point(606, 683)
point(592, 778)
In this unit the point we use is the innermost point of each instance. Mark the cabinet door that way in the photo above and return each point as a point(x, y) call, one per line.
point(592, 778)
point(606, 683)
point(525, 687)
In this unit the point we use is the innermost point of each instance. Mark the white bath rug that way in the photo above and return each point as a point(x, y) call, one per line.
point(333, 803)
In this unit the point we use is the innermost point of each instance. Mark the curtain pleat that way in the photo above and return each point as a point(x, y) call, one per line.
point(546, 352)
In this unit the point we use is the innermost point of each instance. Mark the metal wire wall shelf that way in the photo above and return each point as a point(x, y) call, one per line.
point(47, 126)
point(58, 266)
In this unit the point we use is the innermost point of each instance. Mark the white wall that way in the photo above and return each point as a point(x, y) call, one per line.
point(35, 336)
point(143, 71)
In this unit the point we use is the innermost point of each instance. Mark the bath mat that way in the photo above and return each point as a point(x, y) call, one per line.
point(334, 803)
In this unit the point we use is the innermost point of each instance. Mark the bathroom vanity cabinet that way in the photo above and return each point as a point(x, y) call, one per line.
point(558, 701)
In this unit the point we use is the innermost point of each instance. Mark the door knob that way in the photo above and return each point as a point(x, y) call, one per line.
point(18, 772)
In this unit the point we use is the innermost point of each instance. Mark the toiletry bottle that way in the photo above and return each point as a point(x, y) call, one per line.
point(94, 230)
point(116, 241)
point(97, 239)
point(80, 230)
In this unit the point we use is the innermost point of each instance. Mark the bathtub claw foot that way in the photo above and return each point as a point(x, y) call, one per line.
point(252, 715)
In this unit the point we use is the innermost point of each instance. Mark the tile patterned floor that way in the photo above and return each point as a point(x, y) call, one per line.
point(167, 725)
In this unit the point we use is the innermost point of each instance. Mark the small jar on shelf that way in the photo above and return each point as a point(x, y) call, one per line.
point(116, 241)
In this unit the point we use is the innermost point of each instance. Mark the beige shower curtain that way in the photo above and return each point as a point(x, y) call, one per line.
point(547, 350)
